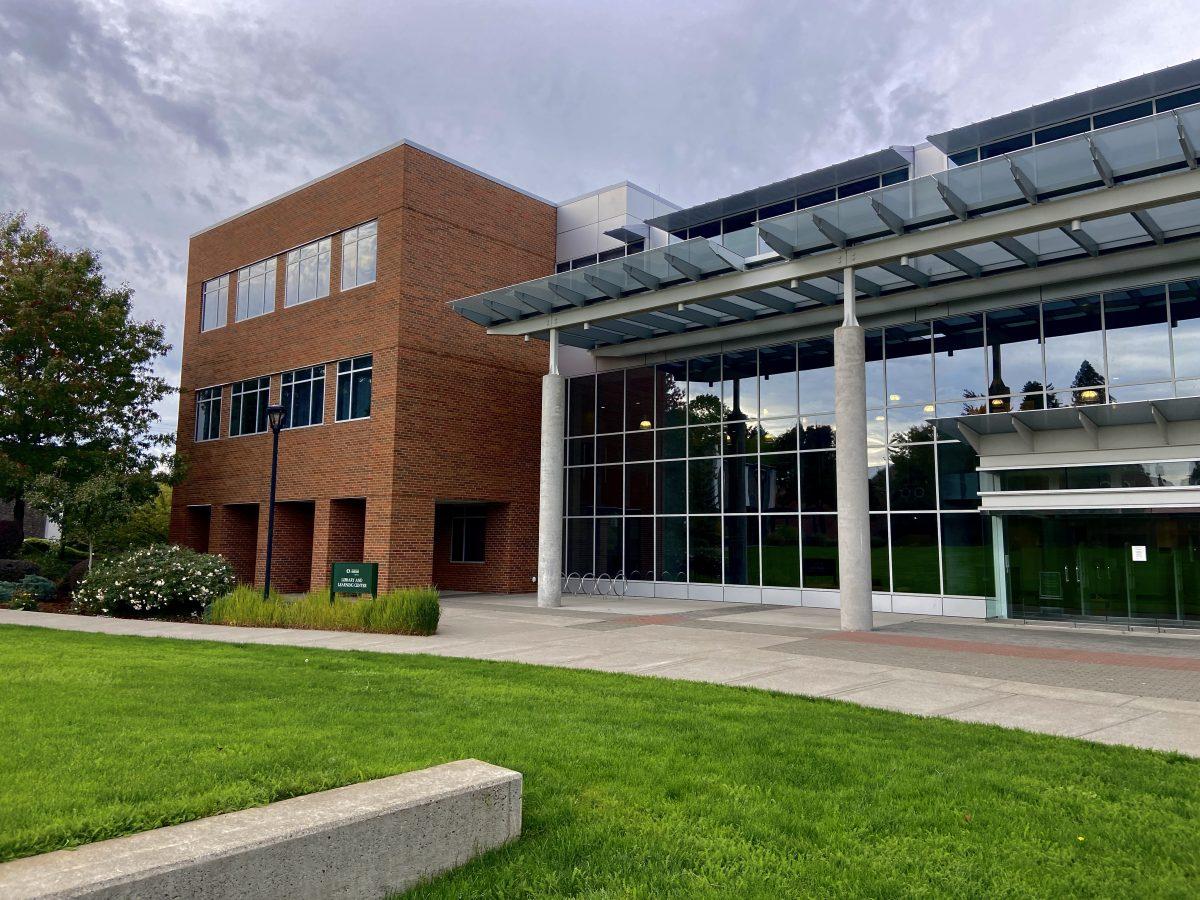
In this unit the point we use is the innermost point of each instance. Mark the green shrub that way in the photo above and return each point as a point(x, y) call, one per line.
point(35, 587)
point(16, 569)
point(404, 611)
point(159, 580)
point(22, 599)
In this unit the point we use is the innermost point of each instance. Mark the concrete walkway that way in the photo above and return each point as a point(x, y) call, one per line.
point(1114, 687)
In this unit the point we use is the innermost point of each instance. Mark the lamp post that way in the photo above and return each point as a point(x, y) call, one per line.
point(276, 417)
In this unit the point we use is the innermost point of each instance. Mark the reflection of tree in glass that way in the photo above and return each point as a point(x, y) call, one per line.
point(911, 467)
point(705, 408)
point(1087, 386)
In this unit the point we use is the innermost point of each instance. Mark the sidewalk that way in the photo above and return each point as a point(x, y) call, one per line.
point(1111, 687)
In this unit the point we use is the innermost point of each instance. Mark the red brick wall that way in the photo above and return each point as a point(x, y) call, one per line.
point(454, 413)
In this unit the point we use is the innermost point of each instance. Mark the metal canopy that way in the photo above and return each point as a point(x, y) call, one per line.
point(1124, 187)
point(876, 163)
point(1086, 417)
point(1131, 90)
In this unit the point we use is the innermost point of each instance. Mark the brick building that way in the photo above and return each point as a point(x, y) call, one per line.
point(413, 442)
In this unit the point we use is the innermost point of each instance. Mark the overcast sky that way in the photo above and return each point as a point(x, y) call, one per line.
point(128, 126)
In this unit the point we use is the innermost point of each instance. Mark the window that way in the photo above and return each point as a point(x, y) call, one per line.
point(248, 402)
point(214, 303)
point(467, 539)
point(308, 273)
point(354, 388)
point(358, 255)
point(303, 396)
point(256, 290)
point(208, 414)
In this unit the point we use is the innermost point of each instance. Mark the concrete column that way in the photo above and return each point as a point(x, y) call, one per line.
point(854, 526)
point(550, 523)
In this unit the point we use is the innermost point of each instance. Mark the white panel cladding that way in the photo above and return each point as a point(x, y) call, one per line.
point(584, 211)
point(612, 202)
point(964, 607)
point(578, 242)
point(917, 604)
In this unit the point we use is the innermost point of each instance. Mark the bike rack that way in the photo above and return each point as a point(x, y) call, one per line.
point(591, 584)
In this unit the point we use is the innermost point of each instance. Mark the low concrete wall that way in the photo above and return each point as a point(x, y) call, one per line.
point(365, 840)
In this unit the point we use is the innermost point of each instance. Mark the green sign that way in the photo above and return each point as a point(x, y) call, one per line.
point(354, 578)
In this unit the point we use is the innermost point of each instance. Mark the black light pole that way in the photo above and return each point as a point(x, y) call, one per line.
point(276, 416)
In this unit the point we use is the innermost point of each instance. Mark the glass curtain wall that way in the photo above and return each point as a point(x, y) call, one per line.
point(720, 469)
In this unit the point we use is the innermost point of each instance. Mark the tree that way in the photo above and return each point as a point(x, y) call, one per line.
point(88, 509)
point(77, 382)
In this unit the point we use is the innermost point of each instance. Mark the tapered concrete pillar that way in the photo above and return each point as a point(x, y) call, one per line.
point(854, 526)
point(550, 523)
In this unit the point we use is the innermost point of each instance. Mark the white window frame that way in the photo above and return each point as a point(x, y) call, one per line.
point(209, 397)
point(257, 281)
point(314, 375)
point(313, 257)
point(214, 303)
point(351, 368)
point(238, 391)
point(353, 241)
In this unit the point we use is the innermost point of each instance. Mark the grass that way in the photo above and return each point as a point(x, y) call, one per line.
point(404, 611)
point(633, 786)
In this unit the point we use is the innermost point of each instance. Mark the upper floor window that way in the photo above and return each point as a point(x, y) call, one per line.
point(248, 401)
point(214, 303)
point(358, 255)
point(208, 414)
point(255, 290)
point(308, 272)
point(354, 388)
point(303, 396)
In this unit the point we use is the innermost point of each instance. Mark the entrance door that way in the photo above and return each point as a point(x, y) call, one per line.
point(1103, 565)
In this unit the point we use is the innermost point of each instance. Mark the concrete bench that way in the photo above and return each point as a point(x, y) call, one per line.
point(365, 840)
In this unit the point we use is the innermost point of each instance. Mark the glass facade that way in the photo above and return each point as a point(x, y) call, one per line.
point(720, 469)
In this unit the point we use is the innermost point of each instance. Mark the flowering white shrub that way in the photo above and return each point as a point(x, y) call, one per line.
point(157, 581)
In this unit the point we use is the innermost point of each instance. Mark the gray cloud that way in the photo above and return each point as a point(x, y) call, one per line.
point(127, 126)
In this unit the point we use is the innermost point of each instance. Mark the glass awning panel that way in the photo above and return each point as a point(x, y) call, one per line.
point(1092, 161)
point(1067, 418)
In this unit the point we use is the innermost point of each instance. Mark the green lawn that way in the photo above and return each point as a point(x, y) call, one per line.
point(633, 786)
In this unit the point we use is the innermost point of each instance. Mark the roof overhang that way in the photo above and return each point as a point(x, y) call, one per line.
point(1091, 422)
point(1131, 90)
point(1131, 189)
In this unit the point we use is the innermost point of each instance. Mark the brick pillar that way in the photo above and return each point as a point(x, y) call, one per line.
point(233, 533)
point(321, 559)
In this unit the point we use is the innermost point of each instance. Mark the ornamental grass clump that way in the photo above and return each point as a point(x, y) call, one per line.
point(162, 580)
point(404, 611)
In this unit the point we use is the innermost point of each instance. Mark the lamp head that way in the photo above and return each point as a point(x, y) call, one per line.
point(276, 416)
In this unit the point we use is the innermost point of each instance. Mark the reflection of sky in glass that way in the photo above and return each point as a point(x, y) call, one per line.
point(1074, 343)
point(959, 360)
point(1136, 330)
point(1015, 354)
point(909, 364)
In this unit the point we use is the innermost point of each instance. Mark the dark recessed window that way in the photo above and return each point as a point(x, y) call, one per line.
point(1124, 114)
point(826, 196)
point(467, 539)
point(1008, 145)
point(634, 247)
point(583, 261)
point(858, 187)
point(562, 267)
point(614, 253)
point(777, 209)
point(1066, 129)
point(896, 176)
point(1174, 101)
point(680, 233)
point(965, 157)
point(707, 230)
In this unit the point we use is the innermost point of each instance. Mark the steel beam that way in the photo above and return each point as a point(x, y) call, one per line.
point(1123, 198)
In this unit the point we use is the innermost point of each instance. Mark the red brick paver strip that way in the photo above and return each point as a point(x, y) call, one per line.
point(1133, 660)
